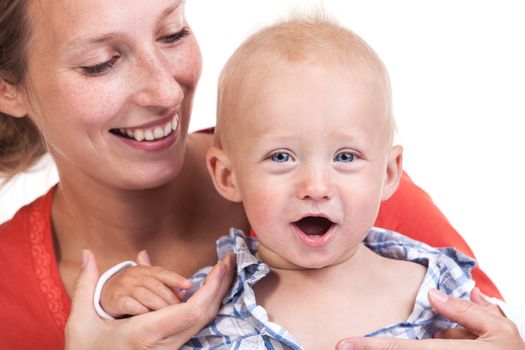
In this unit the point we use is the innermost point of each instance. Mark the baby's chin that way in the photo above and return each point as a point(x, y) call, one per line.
point(289, 263)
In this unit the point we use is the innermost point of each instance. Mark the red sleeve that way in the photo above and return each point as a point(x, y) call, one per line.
point(411, 212)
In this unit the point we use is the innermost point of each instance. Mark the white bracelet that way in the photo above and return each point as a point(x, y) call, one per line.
point(102, 281)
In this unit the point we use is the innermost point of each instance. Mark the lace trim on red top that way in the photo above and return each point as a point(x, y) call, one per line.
point(44, 261)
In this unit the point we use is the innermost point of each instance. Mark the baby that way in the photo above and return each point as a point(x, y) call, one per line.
point(304, 139)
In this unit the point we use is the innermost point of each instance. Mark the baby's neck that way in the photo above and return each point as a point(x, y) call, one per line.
point(322, 306)
point(356, 268)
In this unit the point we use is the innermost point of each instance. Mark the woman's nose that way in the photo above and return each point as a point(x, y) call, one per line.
point(155, 85)
point(315, 185)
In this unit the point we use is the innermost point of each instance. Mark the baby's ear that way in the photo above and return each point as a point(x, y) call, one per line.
point(220, 169)
point(11, 100)
point(394, 170)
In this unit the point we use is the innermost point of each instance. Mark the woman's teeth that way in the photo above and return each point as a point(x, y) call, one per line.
point(152, 134)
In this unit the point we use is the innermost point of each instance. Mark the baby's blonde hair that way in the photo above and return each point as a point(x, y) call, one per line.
point(311, 39)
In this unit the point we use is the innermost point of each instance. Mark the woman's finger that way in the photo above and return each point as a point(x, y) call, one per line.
point(143, 258)
point(82, 303)
point(469, 315)
point(384, 343)
point(495, 331)
point(477, 297)
point(82, 311)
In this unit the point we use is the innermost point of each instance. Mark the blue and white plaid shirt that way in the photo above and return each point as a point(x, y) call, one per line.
point(242, 324)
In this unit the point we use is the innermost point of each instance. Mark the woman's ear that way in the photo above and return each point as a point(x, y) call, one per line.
point(220, 169)
point(394, 170)
point(11, 100)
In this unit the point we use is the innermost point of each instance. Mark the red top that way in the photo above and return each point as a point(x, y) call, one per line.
point(411, 212)
point(33, 302)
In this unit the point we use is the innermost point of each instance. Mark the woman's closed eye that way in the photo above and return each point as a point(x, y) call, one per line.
point(101, 68)
point(172, 38)
point(104, 67)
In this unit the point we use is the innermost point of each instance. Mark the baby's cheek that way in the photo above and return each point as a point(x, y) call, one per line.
point(261, 211)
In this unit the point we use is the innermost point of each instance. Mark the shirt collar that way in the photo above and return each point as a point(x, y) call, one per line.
point(249, 268)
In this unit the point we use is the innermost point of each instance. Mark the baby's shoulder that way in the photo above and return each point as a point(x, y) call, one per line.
point(402, 273)
point(397, 288)
point(405, 274)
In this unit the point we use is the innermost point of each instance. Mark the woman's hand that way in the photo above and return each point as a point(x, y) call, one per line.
point(168, 328)
point(485, 329)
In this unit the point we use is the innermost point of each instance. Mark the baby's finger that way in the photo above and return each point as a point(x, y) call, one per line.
point(180, 295)
point(149, 299)
point(127, 306)
point(169, 278)
point(160, 289)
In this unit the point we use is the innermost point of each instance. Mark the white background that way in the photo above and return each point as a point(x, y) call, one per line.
point(458, 80)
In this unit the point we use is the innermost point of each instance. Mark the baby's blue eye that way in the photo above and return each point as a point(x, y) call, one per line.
point(345, 157)
point(280, 157)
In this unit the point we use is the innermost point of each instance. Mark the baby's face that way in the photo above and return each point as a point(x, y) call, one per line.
point(310, 161)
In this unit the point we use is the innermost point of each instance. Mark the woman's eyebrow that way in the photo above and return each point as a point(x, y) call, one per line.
point(80, 44)
point(171, 9)
point(82, 41)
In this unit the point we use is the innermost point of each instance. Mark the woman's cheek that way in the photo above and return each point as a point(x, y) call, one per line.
point(186, 64)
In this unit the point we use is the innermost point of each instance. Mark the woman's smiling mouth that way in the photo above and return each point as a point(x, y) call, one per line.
point(151, 133)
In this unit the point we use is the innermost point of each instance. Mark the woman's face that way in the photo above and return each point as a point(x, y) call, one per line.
point(110, 87)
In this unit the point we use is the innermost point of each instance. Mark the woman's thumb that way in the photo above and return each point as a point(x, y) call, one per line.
point(82, 303)
point(83, 318)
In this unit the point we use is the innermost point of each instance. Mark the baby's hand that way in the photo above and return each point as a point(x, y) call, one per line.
point(142, 288)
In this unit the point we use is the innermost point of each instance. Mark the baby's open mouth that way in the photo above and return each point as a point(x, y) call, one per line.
point(314, 225)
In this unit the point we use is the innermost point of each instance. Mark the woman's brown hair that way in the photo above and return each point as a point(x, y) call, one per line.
point(20, 142)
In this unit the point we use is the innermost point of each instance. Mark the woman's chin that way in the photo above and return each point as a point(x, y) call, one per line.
point(147, 178)
point(145, 182)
